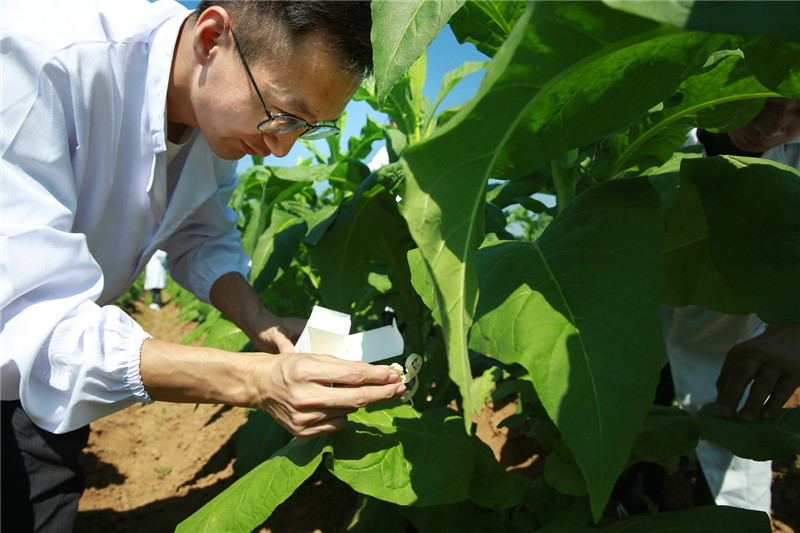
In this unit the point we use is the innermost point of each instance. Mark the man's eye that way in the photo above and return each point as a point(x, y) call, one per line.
point(285, 120)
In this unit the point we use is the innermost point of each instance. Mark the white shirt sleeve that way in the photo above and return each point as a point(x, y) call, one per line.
point(67, 359)
point(207, 246)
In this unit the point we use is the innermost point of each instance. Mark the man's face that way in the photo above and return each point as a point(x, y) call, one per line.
point(777, 123)
point(307, 82)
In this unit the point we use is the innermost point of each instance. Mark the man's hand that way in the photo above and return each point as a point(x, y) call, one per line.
point(308, 394)
point(273, 334)
point(240, 304)
point(772, 362)
point(312, 394)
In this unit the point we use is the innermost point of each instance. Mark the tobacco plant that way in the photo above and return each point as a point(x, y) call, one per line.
point(587, 101)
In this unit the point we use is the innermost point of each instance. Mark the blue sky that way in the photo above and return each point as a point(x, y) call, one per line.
point(444, 55)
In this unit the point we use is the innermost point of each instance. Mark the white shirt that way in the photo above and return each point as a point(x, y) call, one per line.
point(697, 341)
point(87, 196)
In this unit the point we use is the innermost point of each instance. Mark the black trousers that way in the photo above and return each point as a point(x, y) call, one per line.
point(42, 480)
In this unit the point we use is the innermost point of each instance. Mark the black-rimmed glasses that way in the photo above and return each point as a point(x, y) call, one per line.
point(285, 122)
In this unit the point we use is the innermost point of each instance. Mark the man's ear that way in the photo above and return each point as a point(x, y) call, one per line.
point(210, 33)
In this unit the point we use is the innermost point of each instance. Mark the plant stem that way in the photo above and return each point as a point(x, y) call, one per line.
point(565, 185)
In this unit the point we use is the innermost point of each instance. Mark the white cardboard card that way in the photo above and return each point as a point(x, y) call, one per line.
point(328, 332)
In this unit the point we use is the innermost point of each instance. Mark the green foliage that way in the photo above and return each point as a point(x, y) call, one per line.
point(668, 433)
point(590, 283)
point(127, 302)
point(401, 32)
point(393, 453)
point(700, 519)
point(587, 101)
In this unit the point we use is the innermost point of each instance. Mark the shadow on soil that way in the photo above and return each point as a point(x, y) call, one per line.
point(322, 503)
point(157, 517)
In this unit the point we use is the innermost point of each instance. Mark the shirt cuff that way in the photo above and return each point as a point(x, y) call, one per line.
point(88, 368)
point(207, 273)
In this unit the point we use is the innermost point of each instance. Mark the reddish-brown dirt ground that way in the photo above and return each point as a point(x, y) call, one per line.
point(149, 467)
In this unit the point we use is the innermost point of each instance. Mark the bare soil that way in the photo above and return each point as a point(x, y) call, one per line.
point(149, 467)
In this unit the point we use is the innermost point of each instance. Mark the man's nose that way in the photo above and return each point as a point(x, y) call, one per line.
point(280, 143)
point(773, 119)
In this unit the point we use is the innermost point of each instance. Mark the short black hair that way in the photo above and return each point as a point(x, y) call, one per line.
point(264, 26)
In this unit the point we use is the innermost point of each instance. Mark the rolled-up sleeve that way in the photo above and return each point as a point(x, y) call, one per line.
point(87, 368)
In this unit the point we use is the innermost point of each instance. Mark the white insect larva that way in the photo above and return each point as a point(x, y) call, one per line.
point(399, 369)
point(413, 366)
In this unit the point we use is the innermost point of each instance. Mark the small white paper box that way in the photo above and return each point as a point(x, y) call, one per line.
point(327, 332)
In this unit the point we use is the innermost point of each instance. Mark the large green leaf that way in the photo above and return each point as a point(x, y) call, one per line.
point(723, 95)
point(256, 440)
point(775, 63)
point(225, 335)
point(486, 23)
point(404, 457)
point(761, 440)
point(567, 73)
point(775, 19)
point(669, 433)
point(252, 499)
point(754, 231)
point(578, 309)
point(390, 452)
point(445, 215)
point(705, 519)
point(691, 275)
point(401, 33)
point(275, 247)
point(586, 79)
point(366, 229)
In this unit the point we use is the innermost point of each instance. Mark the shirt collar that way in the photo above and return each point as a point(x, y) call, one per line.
point(162, 49)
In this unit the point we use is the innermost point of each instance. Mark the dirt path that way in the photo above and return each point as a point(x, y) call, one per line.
point(149, 467)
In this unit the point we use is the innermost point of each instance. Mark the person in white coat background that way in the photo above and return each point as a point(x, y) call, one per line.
point(748, 367)
point(121, 125)
point(155, 278)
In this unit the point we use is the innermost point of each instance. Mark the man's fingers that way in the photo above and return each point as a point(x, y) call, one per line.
point(783, 390)
point(736, 374)
point(320, 428)
point(760, 390)
point(328, 369)
point(357, 397)
point(319, 391)
point(283, 343)
point(731, 392)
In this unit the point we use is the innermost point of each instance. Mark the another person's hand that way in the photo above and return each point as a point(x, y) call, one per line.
point(312, 394)
point(771, 362)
